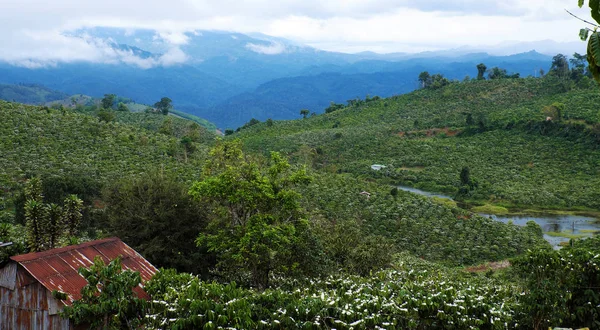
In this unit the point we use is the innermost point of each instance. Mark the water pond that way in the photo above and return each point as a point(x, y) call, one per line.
point(550, 223)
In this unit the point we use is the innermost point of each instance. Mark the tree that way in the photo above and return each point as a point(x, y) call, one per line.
point(47, 224)
point(465, 176)
point(438, 81)
point(166, 127)
point(469, 120)
point(154, 214)
point(164, 105)
point(554, 111)
point(425, 79)
point(35, 215)
point(107, 300)
point(106, 115)
point(108, 101)
point(304, 113)
point(72, 216)
point(560, 66)
point(122, 107)
point(257, 225)
point(593, 38)
point(54, 225)
point(497, 73)
point(481, 68)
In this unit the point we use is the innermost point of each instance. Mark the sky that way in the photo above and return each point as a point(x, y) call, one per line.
point(35, 33)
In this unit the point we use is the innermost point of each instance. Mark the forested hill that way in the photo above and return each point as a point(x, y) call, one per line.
point(499, 129)
point(29, 93)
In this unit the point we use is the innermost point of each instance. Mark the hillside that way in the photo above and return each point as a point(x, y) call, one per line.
point(229, 78)
point(44, 141)
point(283, 98)
point(403, 254)
point(29, 93)
point(41, 95)
point(515, 155)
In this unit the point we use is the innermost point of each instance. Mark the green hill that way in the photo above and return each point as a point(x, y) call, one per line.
point(514, 154)
point(44, 141)
point(29, 93)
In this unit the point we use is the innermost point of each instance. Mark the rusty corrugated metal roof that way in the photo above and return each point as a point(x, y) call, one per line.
point(57, 269)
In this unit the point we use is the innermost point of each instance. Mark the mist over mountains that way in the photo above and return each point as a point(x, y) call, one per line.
point(229, 78)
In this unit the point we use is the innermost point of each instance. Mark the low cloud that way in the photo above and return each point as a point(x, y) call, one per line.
point(36, 33)
point(273, 49)
point(54, 48)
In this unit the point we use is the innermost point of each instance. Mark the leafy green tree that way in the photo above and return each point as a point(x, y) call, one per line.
point(304, 113)
point(108, 101)
point(54, 225)
point(425, 79)
point(72, 216)
point(106, 115)
point(560, 66)
point(497, 73)
point(469, 120)
point(107, 301)
point(257, 223)
point(465, 176)
point(167, 127)
point(438, 81)
point(593, 38)
point(36, 217)
point(481, 69)
point(164, 105)
point(554, 111)
point(155, 215)
point(122, 107)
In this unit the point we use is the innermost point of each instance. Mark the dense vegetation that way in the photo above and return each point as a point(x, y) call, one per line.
point(29, 93)
point(497, 128)
point(286, 225)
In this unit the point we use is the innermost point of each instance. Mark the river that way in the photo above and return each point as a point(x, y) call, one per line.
point(549, 222)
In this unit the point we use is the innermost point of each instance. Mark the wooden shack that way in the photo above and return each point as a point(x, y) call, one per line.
point(27, 282)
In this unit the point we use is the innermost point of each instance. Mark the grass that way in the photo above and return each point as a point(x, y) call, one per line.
point(566, 234)
point(490, 209)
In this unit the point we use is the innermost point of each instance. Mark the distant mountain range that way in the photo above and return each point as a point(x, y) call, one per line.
point(229, 78)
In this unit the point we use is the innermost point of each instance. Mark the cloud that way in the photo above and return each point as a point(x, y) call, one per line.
point(38, 33)
point(273, 49)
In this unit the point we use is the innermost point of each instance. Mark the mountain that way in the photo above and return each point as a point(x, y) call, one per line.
point(229, 78)
point(29, 93)
point(284, 98)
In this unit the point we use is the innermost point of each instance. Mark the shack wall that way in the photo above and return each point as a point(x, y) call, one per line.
point(27, 306)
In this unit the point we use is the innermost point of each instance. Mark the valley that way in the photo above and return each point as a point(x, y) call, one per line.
point(257, 182)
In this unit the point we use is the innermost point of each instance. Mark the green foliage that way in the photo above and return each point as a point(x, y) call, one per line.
point(106, 115)
point(72, 214)
point(561, 286)
point(414, 295)
point(304, 113)
point(47, 224)
point(36, 215)
point(408, 222)
point(257, 220)
point(29, 93)
point(108, 101)
point(553, 165)
point(107, 301)
point(481, 69)
point(593, 48)
point(122, 107)
point(154, 214)
point(164, 105)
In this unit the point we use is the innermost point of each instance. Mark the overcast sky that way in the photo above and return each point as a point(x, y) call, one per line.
point(33, 31)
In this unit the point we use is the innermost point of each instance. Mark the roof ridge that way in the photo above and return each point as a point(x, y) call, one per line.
point(39, 255)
